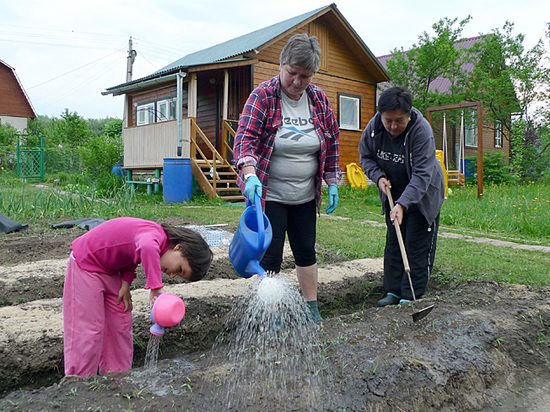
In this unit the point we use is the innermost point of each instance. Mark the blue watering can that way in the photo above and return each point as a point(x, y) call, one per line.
point(250, 241)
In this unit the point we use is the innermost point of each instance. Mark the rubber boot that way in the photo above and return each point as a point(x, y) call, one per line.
point(389, 299)
point(314, 308)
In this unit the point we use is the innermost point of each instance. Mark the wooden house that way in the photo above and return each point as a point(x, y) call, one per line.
point(15, 107)
point(191, 107)
point(462, 141)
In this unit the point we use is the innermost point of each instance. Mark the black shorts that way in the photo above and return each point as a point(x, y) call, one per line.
point(300, 223)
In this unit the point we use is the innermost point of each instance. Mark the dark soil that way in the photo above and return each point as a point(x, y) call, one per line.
point(484, 347)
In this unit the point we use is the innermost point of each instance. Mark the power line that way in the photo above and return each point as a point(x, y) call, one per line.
point(78, 68)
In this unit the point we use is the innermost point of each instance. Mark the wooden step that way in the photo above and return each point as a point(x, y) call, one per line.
point(233, 198)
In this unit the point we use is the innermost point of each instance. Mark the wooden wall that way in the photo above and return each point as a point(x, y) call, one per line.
point(151, 95)
point(13, 101)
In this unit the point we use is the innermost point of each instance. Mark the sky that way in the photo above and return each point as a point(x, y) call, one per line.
point(67, 52)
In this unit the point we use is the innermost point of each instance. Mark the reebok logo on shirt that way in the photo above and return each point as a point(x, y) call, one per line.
point(294, 133)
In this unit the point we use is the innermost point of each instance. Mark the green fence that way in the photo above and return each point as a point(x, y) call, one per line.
point(30, 160)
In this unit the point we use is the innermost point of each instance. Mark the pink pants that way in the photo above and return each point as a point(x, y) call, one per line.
point(97, 331)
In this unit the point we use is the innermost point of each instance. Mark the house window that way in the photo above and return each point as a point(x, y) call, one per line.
point(145, 114)
point(470, 129)
point(498, 134)
point(349, 111)
point(166, 110)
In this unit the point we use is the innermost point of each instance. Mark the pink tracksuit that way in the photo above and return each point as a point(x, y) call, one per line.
point(97, 331)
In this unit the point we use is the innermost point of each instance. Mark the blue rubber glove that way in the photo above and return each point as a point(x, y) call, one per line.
point(252, 185)
point(332, 198)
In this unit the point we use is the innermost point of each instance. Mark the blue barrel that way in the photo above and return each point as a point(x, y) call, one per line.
point(177, 180)
point(470, 167)
point(118, 170)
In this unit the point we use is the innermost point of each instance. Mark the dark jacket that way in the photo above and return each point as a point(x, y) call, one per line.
point(426, 187)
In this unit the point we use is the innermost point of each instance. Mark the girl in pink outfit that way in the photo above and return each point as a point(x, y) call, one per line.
point(97, 304)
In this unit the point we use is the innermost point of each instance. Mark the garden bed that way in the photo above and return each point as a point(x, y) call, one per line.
point(484, 347)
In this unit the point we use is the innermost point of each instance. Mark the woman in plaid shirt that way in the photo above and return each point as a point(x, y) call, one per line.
point(285, 145)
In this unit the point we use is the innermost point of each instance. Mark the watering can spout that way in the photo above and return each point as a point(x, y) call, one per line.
point(254, 267)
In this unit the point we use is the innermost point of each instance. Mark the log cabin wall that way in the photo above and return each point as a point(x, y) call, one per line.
point(340, 72)
point(152, 95)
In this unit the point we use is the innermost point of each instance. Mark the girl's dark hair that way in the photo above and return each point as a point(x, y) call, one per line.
point(194, 249)
point(395, 98)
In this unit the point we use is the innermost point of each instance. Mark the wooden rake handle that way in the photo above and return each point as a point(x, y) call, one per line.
point(401, 244)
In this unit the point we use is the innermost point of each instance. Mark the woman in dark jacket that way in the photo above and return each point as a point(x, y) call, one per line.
point(398, 152)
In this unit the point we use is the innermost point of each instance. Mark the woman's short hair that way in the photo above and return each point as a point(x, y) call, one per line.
point(395, 98)
point(303, 51)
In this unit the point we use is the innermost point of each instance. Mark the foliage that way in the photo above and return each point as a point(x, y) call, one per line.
point(8, 142)
point(433, 56)
point(495, 168)
point(507, 78)
point(530, 153)
point(100, 155)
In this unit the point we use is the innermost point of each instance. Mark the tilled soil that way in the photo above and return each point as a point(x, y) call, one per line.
point(484, 347)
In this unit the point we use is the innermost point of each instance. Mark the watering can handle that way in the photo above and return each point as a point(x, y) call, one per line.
point(260, 220)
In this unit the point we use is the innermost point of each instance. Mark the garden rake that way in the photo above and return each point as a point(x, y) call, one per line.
point(417, 314)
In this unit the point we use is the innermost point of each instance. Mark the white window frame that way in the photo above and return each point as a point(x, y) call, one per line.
point(470, 129)
point(166, 109)
point(346, 121)
point(145, 114)
point(498, 134)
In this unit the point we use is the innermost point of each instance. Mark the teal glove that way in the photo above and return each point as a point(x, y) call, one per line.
point(252, 185)
point(332, 198)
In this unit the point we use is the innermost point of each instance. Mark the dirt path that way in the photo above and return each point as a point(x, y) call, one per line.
point(484, 347)
point(475, 239)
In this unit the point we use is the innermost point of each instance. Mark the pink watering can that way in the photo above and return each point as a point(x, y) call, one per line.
point(250, 241)
point(167, 311)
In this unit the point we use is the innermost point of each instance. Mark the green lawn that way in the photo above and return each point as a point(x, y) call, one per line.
point(515, 213)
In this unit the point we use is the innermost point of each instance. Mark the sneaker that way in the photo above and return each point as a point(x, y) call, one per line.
point(390, 299)
point(404, 301)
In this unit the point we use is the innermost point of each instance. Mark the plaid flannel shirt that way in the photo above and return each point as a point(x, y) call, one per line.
point(258, 125)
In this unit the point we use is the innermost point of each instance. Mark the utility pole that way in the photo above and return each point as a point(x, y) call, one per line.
point(129, 64)
point(130, 60)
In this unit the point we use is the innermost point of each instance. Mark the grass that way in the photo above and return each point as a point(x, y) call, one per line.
point(356, 230)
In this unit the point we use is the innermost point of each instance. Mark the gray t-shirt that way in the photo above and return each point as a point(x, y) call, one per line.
point(294, 162)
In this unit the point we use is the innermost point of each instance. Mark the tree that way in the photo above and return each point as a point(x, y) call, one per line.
point(433, 56)
point(506, 78)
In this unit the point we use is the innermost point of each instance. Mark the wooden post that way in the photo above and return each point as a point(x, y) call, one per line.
point(191, 111)
point(479, 151)
point(225, 112)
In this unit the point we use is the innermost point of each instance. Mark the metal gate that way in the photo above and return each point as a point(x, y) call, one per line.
point(30, 160)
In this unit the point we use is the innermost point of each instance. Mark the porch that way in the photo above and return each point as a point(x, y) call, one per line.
point(146, 147)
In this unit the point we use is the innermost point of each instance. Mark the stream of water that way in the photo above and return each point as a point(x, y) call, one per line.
point(273, 351)
point(152, 354)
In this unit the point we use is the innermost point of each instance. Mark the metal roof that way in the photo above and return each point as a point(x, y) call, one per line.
point(234, 50)
point(239, 45)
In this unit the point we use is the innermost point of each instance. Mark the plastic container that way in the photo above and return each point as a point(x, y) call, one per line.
point(167, 311)
point(177, 180)
point(250, 241)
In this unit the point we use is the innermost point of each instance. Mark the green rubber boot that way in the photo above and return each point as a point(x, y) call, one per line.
point(314, 308)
